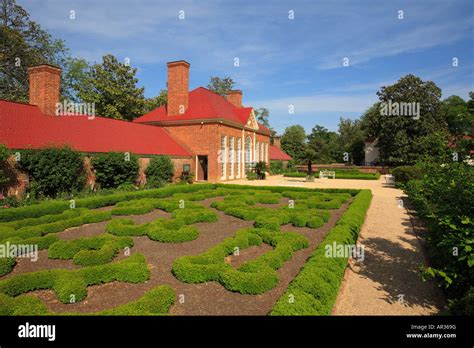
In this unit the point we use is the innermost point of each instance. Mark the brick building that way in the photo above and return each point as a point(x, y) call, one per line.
point(216, 138)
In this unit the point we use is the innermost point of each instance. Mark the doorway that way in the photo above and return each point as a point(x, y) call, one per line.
point(202, 168)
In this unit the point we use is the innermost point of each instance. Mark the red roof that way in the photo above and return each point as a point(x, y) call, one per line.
point(276, 154)
point(203, 104)
point(25, 126)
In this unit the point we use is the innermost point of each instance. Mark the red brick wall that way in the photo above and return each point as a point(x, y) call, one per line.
point(178, 87)
point(44, 82)
point(206, 140)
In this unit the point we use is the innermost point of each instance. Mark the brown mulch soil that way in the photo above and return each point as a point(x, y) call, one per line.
point(199, 299)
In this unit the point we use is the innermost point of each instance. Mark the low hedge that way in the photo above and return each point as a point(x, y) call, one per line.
point(157, 301)
point(57, 207)
point(253, 277)
point(89, 251)
point(85, 217)
point(66, 283)
point(315, 288)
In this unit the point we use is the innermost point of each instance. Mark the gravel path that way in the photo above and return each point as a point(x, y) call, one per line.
point(388, 281)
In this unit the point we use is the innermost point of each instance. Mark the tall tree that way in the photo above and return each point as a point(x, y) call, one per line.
point(112, 86)
point(456, 113)
point(351, 140)
point(293, 141)
point(24, 44)
point(329, 151)
point(396, 134)
point(221, 86)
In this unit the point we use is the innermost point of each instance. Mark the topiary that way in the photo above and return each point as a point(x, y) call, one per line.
point(159, 171)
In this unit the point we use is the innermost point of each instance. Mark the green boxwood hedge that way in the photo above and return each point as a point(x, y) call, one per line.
point(66, 283)
point(314, 290)
point(89, 251)
point(157, 301)
point(253, 277)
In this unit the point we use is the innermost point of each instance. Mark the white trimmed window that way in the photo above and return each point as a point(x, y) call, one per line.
point(231, 157)
point(257, 152)
point(262, 157)
point(239, 156)
point(266, 153)
point(248, 153)
point(223, 156)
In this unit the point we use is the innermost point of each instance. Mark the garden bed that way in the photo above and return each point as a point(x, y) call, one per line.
point(280, 246)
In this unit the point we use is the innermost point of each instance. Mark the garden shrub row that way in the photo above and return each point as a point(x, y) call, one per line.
point(89, 251)
point(174, 230)
point(67, 283)
point(300, 216)
point(252, 277)
point(57, 207)
point(315, 288)
point(157, 301)
point(281, 189)
point(85, 217)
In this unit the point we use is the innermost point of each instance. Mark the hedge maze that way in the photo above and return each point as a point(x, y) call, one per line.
point(191, 210)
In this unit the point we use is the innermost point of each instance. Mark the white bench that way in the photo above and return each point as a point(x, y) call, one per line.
point(325, 174)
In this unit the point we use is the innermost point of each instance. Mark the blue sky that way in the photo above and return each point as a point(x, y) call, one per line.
point(282, 61)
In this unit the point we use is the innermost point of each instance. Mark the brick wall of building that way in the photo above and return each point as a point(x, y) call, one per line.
point(205, 140)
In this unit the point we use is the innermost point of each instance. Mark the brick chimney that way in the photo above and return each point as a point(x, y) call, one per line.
point(45, 81)
point(235, 97)
point(178, 87)
point(276, 141)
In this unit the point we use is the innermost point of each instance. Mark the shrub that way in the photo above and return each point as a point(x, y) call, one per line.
point(89, 251)
point(404, 174)
point(159, 171)
point(253, 277)
point(66, 283)
point(157, 301)
point(53, 171)
point(443, 200)
point(113, 169)
point(276, 167)
point(186, 178)
point(315, 288)
point(6, 265)
point(251, 176)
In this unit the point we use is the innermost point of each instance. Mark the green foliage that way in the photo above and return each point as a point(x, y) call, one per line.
point(398, 135)
point(351, 140)
point(443, 199)
point(65, 283)
point(113, 169)
point(221, 86)
point(53, 171)
point(157, 301)
point(293, 140)
point(89, 251)
point(112, 87)
point(39, 230)
point(253, 277)
point(186, 178)
point(260, 168)
point(339, 175)
point(315, 288)
point(251, 176)
point(155, 102)
point(6, 265)
point(24, 40)
point(262, 114)
point(404, 174)
point(276, 167)
point(7, 174)
point(159, 171)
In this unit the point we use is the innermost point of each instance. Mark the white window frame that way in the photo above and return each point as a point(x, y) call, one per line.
point(248, 153)
point(223, 157)
point(231, 157)
point(239, 155)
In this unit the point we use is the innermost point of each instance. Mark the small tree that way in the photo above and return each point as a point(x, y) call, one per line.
point(260, 169)
point(53, 170)
point(113, 169)
point(159, 171)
